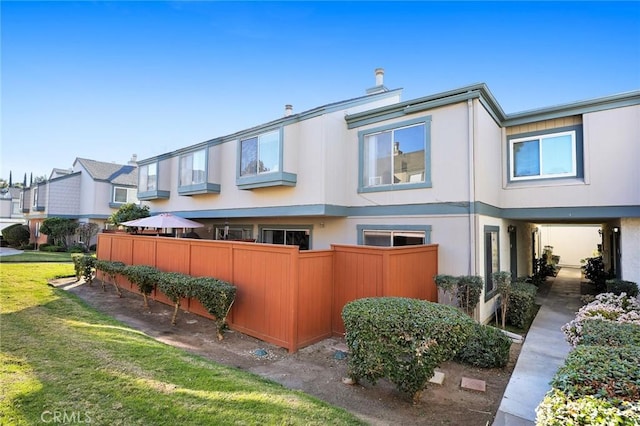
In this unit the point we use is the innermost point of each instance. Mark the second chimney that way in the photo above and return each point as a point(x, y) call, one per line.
point(288, 110)
point(379, 76)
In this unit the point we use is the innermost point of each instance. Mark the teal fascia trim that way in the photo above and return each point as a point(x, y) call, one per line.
point(428, 102)
point(153, 195)
point(576, 108)
point(422, 228)
point(453, 208)
point(116, 205)
point(263, 180)
point(426, 120)
point(39, 208)
point(280, 211)
point(201, 188)
point(572, 213)
point(70, 175)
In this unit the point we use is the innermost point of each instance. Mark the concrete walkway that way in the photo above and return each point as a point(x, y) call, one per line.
point(8, 251)
point(544, 350)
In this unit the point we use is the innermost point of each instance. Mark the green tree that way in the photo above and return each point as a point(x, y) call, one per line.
point(86, 231)
point(130, 211)
point(58, 229)
point(16, 235)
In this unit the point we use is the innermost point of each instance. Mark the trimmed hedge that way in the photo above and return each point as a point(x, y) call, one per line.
point(610, 373)
point(111, 270)
point(469, 291)
point(608, 333)
point(521, 303)
point(621, 286)
point(487, 347)
point(84, 266)
point(16, 235)
point(216, 296)
point(175, 286)
point(402, 339)
point(145, 277)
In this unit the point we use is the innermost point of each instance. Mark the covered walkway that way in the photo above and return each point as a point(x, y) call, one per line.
point(544, 349)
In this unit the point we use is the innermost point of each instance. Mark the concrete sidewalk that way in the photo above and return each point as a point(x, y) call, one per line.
point(544, 350)
point(8, 251)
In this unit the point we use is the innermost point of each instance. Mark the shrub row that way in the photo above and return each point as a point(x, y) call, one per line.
point(599, 382)
point(465, 289)
point(402, 339)
point(215, 295)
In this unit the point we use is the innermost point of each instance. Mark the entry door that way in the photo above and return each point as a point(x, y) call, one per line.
point(513, 254)
point(615, 254)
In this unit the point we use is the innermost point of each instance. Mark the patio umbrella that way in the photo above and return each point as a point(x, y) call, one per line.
point(163, 220)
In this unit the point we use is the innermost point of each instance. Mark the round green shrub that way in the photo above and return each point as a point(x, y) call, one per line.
point(16, 235)
point(487, 347)
point(402, 339)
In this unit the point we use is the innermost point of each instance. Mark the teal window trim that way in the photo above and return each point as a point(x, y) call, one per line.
point(153, 195)
point(308, 228)
point(140, 174)
point(489, 293)
point(205, 187)
point(520, 137)
point(417, 228)
point(200, 188)
point(426, 120)
point(264, 179)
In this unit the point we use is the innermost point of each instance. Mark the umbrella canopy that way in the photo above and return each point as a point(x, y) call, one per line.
point(164, 220)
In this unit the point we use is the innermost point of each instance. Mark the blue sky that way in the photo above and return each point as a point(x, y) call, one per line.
point(105, 80)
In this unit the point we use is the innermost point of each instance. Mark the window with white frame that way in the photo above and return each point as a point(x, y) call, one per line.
point(123, 195)
point(543, 156)
point(392, 238)
point(290, 237)
point(394, 156)
point(193, 168)
point(148, 180)
point(260, 154)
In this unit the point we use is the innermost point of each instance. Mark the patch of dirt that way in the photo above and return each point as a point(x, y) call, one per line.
point(316, 370)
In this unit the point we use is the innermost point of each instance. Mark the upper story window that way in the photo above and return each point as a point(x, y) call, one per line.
point(260, 154)
point(193, 168)
point(554, 154)
point(260, 162)
point(15, 207)
point(148, 180)
point(123, 195)
point(395, 157)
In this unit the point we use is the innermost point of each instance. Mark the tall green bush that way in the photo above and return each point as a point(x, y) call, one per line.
point(502, 280)
point(448, 284)
point(469, 291)
point(402, 339)
point(59, 229)
point(521, 304)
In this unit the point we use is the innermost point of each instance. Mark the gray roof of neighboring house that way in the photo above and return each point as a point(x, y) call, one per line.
point(121, 174)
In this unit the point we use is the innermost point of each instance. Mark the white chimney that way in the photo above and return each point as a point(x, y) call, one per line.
point(379, 76)
point(134, 160)
point(379, 87)
point(288, 110)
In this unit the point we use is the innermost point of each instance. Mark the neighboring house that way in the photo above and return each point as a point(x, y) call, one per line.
point(10, 211)
point(450, 168)
point(90, 191)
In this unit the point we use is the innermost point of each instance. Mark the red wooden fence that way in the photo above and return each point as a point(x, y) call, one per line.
point(287, 297)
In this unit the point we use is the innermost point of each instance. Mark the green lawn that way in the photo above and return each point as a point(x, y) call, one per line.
point(58, 357)
point(36, 256)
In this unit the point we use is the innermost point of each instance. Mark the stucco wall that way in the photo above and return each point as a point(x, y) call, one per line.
point(630, 246)
point(571, 242)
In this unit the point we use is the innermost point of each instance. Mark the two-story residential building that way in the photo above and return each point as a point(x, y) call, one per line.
point(450, 168)
point(90, 191)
